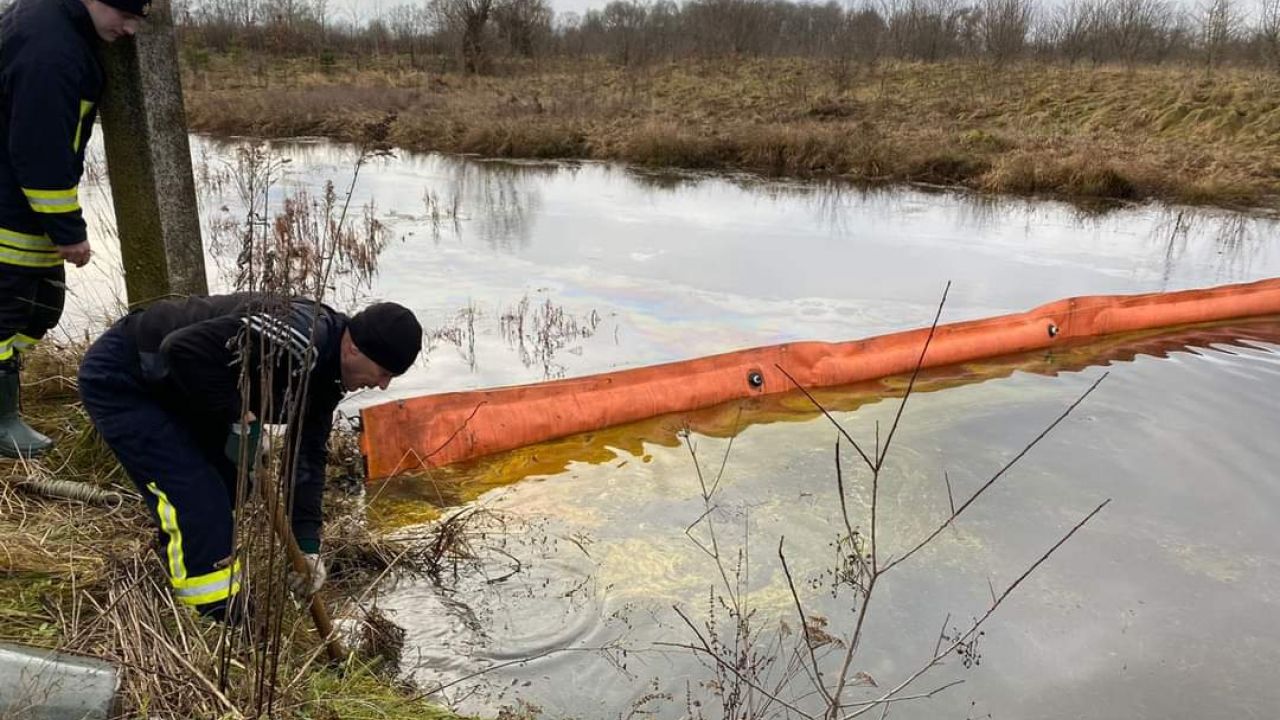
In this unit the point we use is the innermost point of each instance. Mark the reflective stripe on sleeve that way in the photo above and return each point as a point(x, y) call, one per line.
point(26, 241)
point(24, 258)
point(53, 201)
point(85, 108)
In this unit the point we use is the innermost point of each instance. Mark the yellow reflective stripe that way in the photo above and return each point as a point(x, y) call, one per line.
point(69, 193)
point(6, 347)
point(28, 250)
point(215, 586)
point(169, 524)
point(85, 108)
point(53, 201)
point(24, 342)
point(26, 241)
point(28, 259)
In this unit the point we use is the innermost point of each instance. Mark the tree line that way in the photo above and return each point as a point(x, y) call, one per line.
point(474, 33)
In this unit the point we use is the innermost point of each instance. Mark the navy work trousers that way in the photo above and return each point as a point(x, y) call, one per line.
point(30, 306)
point(177, 465)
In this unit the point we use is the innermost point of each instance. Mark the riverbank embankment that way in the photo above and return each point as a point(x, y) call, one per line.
point(1169, 133)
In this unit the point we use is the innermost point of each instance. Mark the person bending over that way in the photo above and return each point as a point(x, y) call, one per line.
point(179, 391)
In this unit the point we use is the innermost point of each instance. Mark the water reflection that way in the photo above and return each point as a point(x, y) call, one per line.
point(682, 267)
point(664, 180)
point(1160, 579)
point(755, 239)
point(1176, 232)
point(504, 199)
point(687, 264)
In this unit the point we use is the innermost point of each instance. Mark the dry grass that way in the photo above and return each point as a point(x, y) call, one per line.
point(1088, 132)
point(83, 578)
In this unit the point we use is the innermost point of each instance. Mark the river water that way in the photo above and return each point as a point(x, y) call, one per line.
point(585, 554)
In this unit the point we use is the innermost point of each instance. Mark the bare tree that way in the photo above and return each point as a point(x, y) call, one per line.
point(1131, 30)
point(624, 24)
point(727, 27)
point(1220, 25)
point(409, 25)
point(523, 24)
point(857, 38)
point(1268, 32)
point(320, 11)
point(1003, 27)
point(466, 21)
point(867, 31)
point(925, 30)
point(846, 32)
point(663, 27)
point(569, 38)
point(1072, 29)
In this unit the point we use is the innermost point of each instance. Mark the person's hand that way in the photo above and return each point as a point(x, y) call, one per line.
point(303, 587)
point(244, 438)
point(77, 254)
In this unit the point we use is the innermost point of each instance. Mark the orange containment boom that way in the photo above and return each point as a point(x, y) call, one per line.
point(436, 430)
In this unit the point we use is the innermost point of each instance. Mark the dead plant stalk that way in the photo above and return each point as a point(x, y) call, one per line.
point(864, 566)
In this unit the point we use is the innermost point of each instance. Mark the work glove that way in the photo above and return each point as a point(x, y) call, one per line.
point(244, 435)
point(304, 587)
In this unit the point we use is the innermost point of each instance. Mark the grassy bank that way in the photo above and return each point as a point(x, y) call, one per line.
point(1086, 132)
point(83, 578)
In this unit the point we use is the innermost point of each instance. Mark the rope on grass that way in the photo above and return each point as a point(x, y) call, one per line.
point(72, 490)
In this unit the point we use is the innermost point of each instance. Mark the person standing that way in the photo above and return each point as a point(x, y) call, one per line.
point(50, 84)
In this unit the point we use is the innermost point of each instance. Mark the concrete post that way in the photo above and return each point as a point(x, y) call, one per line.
point(149, 163)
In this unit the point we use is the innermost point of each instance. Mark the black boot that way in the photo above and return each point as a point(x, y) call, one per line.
point(17, 439)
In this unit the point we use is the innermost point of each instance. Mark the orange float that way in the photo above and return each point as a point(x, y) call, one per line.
point(435, 430)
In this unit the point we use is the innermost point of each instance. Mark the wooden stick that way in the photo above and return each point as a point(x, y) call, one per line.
point(319, 613)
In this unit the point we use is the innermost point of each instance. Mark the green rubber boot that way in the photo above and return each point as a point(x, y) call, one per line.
point(17, 439)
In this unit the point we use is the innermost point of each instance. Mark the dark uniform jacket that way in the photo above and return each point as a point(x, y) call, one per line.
point(50, 84)
point(192, 353)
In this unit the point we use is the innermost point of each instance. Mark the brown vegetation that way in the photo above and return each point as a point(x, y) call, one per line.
point(1117, 99)
point(83, 578)
point(1173, 133)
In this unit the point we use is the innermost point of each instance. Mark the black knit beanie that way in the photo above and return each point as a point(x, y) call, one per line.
point(387, 334)
point(137, 7)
